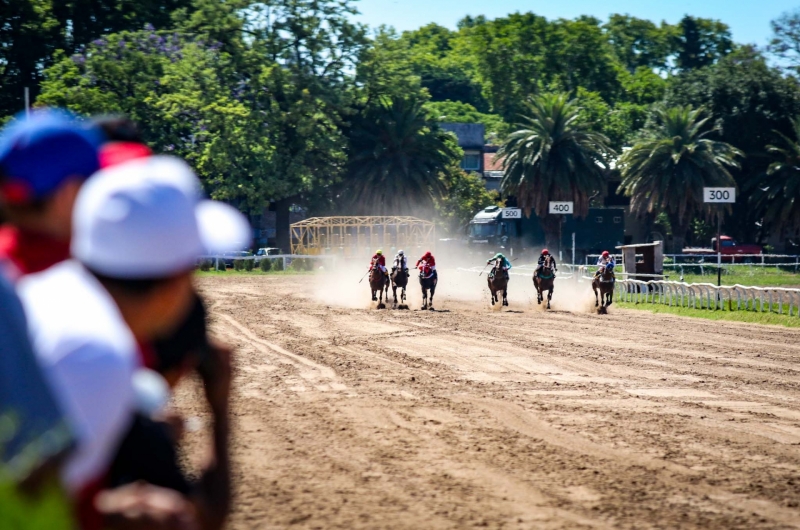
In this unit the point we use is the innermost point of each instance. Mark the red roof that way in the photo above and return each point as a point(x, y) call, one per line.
point(491, 162)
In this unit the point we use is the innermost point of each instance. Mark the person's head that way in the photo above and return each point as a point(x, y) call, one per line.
point(186, 348)
point(427, 254)
point(545, 252)
point(44, 161)
point(139, 228)
point(401, 253)
point(379, 252)
point(123, 141)
point(605, 254)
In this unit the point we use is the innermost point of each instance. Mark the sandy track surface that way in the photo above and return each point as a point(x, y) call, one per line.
point(351, 417)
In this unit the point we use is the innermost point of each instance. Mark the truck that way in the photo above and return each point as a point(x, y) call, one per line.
point(730, 247)
point(496, 229)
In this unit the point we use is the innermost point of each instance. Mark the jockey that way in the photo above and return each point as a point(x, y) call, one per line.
point(428, 263)
point(504, 263)
point(379, 262)
point(542, 257)
point(400, 262)
point(605, 260)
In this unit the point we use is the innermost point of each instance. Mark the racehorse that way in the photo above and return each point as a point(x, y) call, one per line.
point(399, 280)
point(427, 280)
point(545, 280)
point(379, 283)
point(604, 282)
point(498, 281)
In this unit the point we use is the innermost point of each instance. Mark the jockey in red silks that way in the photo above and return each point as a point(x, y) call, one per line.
point(379, 262)
point(427, 266)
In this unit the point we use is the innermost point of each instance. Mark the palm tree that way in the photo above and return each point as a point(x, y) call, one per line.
point(777, 193)
point(397, 158)
point(667, 170)
point(553, 157)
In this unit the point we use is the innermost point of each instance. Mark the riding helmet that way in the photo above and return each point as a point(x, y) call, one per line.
point(379, 252)
point(605, 253)
point(545, 252)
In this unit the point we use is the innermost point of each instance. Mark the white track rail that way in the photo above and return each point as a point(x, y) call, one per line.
point(709, 296)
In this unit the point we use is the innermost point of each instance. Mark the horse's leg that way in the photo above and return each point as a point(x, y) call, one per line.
point(550, 294)
point(433, 291)
point(538, 292)
point(505, 296)
point(424, 298)
point(491, 291)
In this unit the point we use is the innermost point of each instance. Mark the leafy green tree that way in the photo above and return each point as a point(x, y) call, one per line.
point(668, 168)
point(465, 194)
point(785, 41)
point(553, 156)
point(777, 193)
point(750, 100)
point(397, 158)
point(639, 43)
point(445, 72)
point(33, 30)
point(458, 112)
point(700, 42)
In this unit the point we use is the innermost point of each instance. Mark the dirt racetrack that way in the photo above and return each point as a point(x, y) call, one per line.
point(350, 417)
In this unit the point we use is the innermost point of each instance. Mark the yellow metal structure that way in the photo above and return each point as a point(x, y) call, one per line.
point(361, 236)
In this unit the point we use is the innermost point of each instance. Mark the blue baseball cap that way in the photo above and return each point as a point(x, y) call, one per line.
point(37, 154)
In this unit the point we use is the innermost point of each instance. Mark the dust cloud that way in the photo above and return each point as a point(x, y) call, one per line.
point(461, 286)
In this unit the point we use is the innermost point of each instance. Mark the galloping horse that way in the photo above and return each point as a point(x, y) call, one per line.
point(498, 281)
point(379, 283)
point(427, 280)
point(545, 281)
point(605, 284)
point(399, 279)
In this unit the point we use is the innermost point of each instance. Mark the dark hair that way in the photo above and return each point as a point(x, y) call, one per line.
point(119, 129)
point(190, 338)
point(129, 287)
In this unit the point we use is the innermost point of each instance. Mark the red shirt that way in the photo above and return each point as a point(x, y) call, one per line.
point(431, 261)
point(28, 252)
point(378, 260)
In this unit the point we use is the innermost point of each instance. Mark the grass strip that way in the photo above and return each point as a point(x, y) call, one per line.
point(753, 317)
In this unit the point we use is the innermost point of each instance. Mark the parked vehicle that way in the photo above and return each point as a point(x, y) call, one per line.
point(266, 252)
point(228, 257)
point(730, 247)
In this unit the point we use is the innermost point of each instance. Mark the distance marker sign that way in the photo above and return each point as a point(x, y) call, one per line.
point(566, 207)
point(512, 213)
point(719, 195)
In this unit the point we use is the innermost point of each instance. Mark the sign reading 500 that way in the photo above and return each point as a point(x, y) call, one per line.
point(512, 213)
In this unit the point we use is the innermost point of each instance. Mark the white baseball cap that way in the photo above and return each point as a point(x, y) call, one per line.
point(147, 219)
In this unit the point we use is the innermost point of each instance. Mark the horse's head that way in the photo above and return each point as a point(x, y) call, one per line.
point(548, 262)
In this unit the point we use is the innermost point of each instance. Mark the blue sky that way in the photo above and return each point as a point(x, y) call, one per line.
point(748, 19)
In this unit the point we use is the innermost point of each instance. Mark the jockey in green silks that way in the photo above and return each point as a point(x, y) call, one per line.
point(505, 265)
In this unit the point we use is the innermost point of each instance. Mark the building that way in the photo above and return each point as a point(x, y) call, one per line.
point(492, 168)
point(471, 139)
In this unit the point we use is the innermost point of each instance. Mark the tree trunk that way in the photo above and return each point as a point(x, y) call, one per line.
point(679, 230)
point(551, 225)
point(282, 235)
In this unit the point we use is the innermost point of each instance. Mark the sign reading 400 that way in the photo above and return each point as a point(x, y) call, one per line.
point(563, 208)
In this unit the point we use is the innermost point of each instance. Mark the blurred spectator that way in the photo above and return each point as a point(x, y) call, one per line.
point(44, 160)
point(137, 230)
point(34, 435)
point(149, 451)
point(123, 140)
